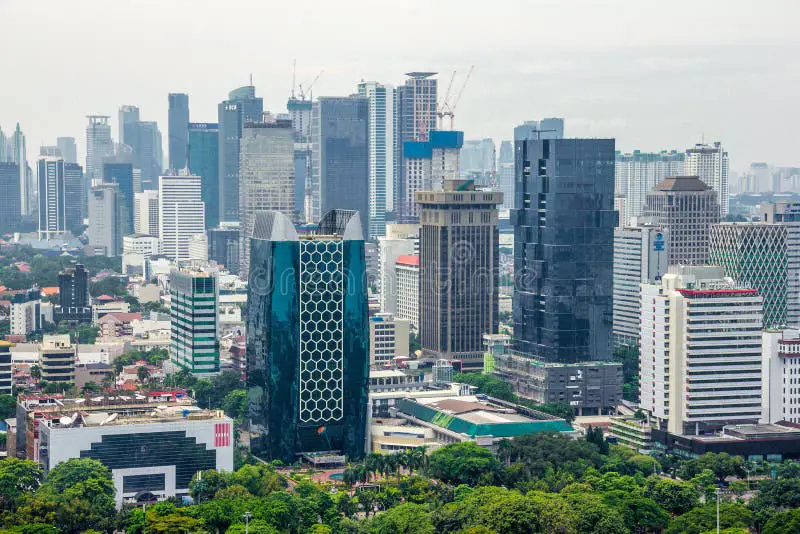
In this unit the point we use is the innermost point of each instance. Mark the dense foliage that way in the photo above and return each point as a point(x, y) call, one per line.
point(500, 389)
point(44, 269)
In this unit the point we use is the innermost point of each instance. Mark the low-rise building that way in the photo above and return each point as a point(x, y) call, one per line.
point(57, 359)
point(632, 433)
point(407, 276)
point(104, 305)
point(388, 338)
point(117, 324)
point(92, 372)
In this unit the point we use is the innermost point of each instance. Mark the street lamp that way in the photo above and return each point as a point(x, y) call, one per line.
point(248, 516)
point(717, 492)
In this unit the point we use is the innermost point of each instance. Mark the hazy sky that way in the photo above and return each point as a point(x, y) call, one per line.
point(653, 74)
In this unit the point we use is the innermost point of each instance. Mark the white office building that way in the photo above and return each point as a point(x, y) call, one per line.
point(26, 312)
point(382, 140)
point(105, 236)
point(636, 173)
point(181, 214)
point(700, 363)
point(52, 212)
point(640, 257)
point(780, 376)
point(198, 248)
point(710, 164)
point(388, 338)
point(399, 239)
point(145, 212)
point(407, 273)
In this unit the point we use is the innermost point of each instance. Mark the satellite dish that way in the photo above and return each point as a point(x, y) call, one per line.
point(65, 420)
point(109, 419)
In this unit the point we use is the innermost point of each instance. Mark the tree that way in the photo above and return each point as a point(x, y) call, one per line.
point(206, 484)
point(90, 387)
point(36, 372)
point(511, 513)
point(406, 518)
point(704, 518)
point(595, 435)
point(463, 463)
point(235, 403)
point(783, 523)
point(142, 373)
point(675, 496)
point(8, 406)
point(67, 474)
point(256, 526)
point(16, 478)
point(259, 479)
point(172, 523)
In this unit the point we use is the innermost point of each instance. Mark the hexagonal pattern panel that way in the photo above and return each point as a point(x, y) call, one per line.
point(321, 351)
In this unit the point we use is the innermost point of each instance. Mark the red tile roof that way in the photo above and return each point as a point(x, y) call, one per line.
point(121, 317)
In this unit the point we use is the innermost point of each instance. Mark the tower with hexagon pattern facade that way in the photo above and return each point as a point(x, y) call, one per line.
point(307, 337)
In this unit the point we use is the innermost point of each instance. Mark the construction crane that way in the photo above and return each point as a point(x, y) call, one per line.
point(307, 90)
point(448, 109)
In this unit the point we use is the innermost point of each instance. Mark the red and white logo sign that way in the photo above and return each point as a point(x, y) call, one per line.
point(222, 434)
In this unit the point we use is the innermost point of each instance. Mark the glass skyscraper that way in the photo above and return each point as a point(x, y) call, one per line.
point(178, 124)
point(307, 337)
point(204, 162)
point(194, 323)
point(563, 248)
point(122, 174)
point(9, 197)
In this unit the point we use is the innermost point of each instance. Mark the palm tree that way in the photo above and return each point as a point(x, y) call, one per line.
point(36, 372)
point(418, 458)
point(374, 463)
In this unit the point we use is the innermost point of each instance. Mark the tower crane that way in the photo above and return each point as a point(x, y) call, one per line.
point(308, 87)
point(447, 109)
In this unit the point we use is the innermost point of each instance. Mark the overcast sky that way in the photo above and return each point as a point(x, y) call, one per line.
point(652, 74)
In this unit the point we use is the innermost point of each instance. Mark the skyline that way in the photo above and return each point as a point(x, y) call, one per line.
point(653, 79)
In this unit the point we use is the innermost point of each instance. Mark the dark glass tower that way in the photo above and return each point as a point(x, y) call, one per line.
point(73, 296)
point(10, 216)
point(73, 197)
point(178, 130)
point(307, 337)
point(340, 157)
point(122, 174)
point(563, 248)
point(242, 106)
point(204, 162)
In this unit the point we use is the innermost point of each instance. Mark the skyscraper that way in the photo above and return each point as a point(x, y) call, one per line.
point(563, 248)
point(340, 157)
point(710, 164)
point(223, 246)
point(399, 239)
point(307, 337)
point(381, 153)
point(122, 175)
point(18, 151)
point(458, 270)
point(477, 161)
point(505, 173)
point(242, 106)
point(99, 146)
point(52, 214)
point(3, 148)
point(552, 128)
point(758, 255)
point(427, 164)
point(204, 162)
point(68, 149)
point(9, 197)
point(105, 219)
point(266, 176)
point(148, 154)
point(638, 172)
point(73, 197)
point(146, 216)
point(700, 363)
point(178, 125)
point(194, 321)
point(128, 117)
point(788, 213)
point(181, 214)
point(687, 208)
point(73, 296)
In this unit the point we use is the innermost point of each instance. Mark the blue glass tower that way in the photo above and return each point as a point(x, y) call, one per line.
point(178, 134)
point(122, 174)
point(307, 337)
point(204, 162)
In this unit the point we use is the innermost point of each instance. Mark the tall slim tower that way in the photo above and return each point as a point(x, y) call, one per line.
point(99, 146)
point(505, 173)
point(128, 117)
point(266, 177)
point(105, 235)
point(307, 337)
point(181, 213)
point(9, 197)
point(52, 215)
point(458, 271)
point(68, 149)
point(19, 156)
point(178, 130)
point(563, 248)
point(204, 162)
point(122, 175)
point(194, 321)
point(381, 153)
point(637, 173)
point(710, 164)
point(148, 153)
point(73, 197)
point(242, 106)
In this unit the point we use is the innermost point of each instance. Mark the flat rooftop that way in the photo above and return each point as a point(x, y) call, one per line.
point(160, 414)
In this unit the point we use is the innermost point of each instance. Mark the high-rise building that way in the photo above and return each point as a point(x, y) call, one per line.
point(302, 181)
point(105, 219)
point(757, 255)
point(637, 173)
point(381, 153)
point(73, 197)
point(780, 393)
point(307, 337)
point(415, 116)
point(99, 146)
point(10, 198)
point(552, 128)
point(128, 117)
point(3, 147)
point(478, 160)
point(700, 363)
point(686, 207)
point(459, 271)
point(69, 151)
point(145, 213)
point(26, 312)
point(198, 249)
point(18, 155)
point(399, 239)
point(242, 106)
point(340, 156)
point(564, 248)
point(710, 164)
point(505, 173)
point(204, 162)
point(300, 114)
point(427, 165)
point(178, 126)
point(57, 355)
point(6, 382)
point(181, 214)
point(194, 321)
point(640, 257)
point(388, 338)
point(148, 155)
point(266, 176)
point(407, 275)
point(52, 214)
point(223, 246)
point(122, 175)
point(73, 296)
point(788, 213)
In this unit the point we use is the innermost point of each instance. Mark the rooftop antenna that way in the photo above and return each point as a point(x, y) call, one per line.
point(294, 75)
point(251, 79)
